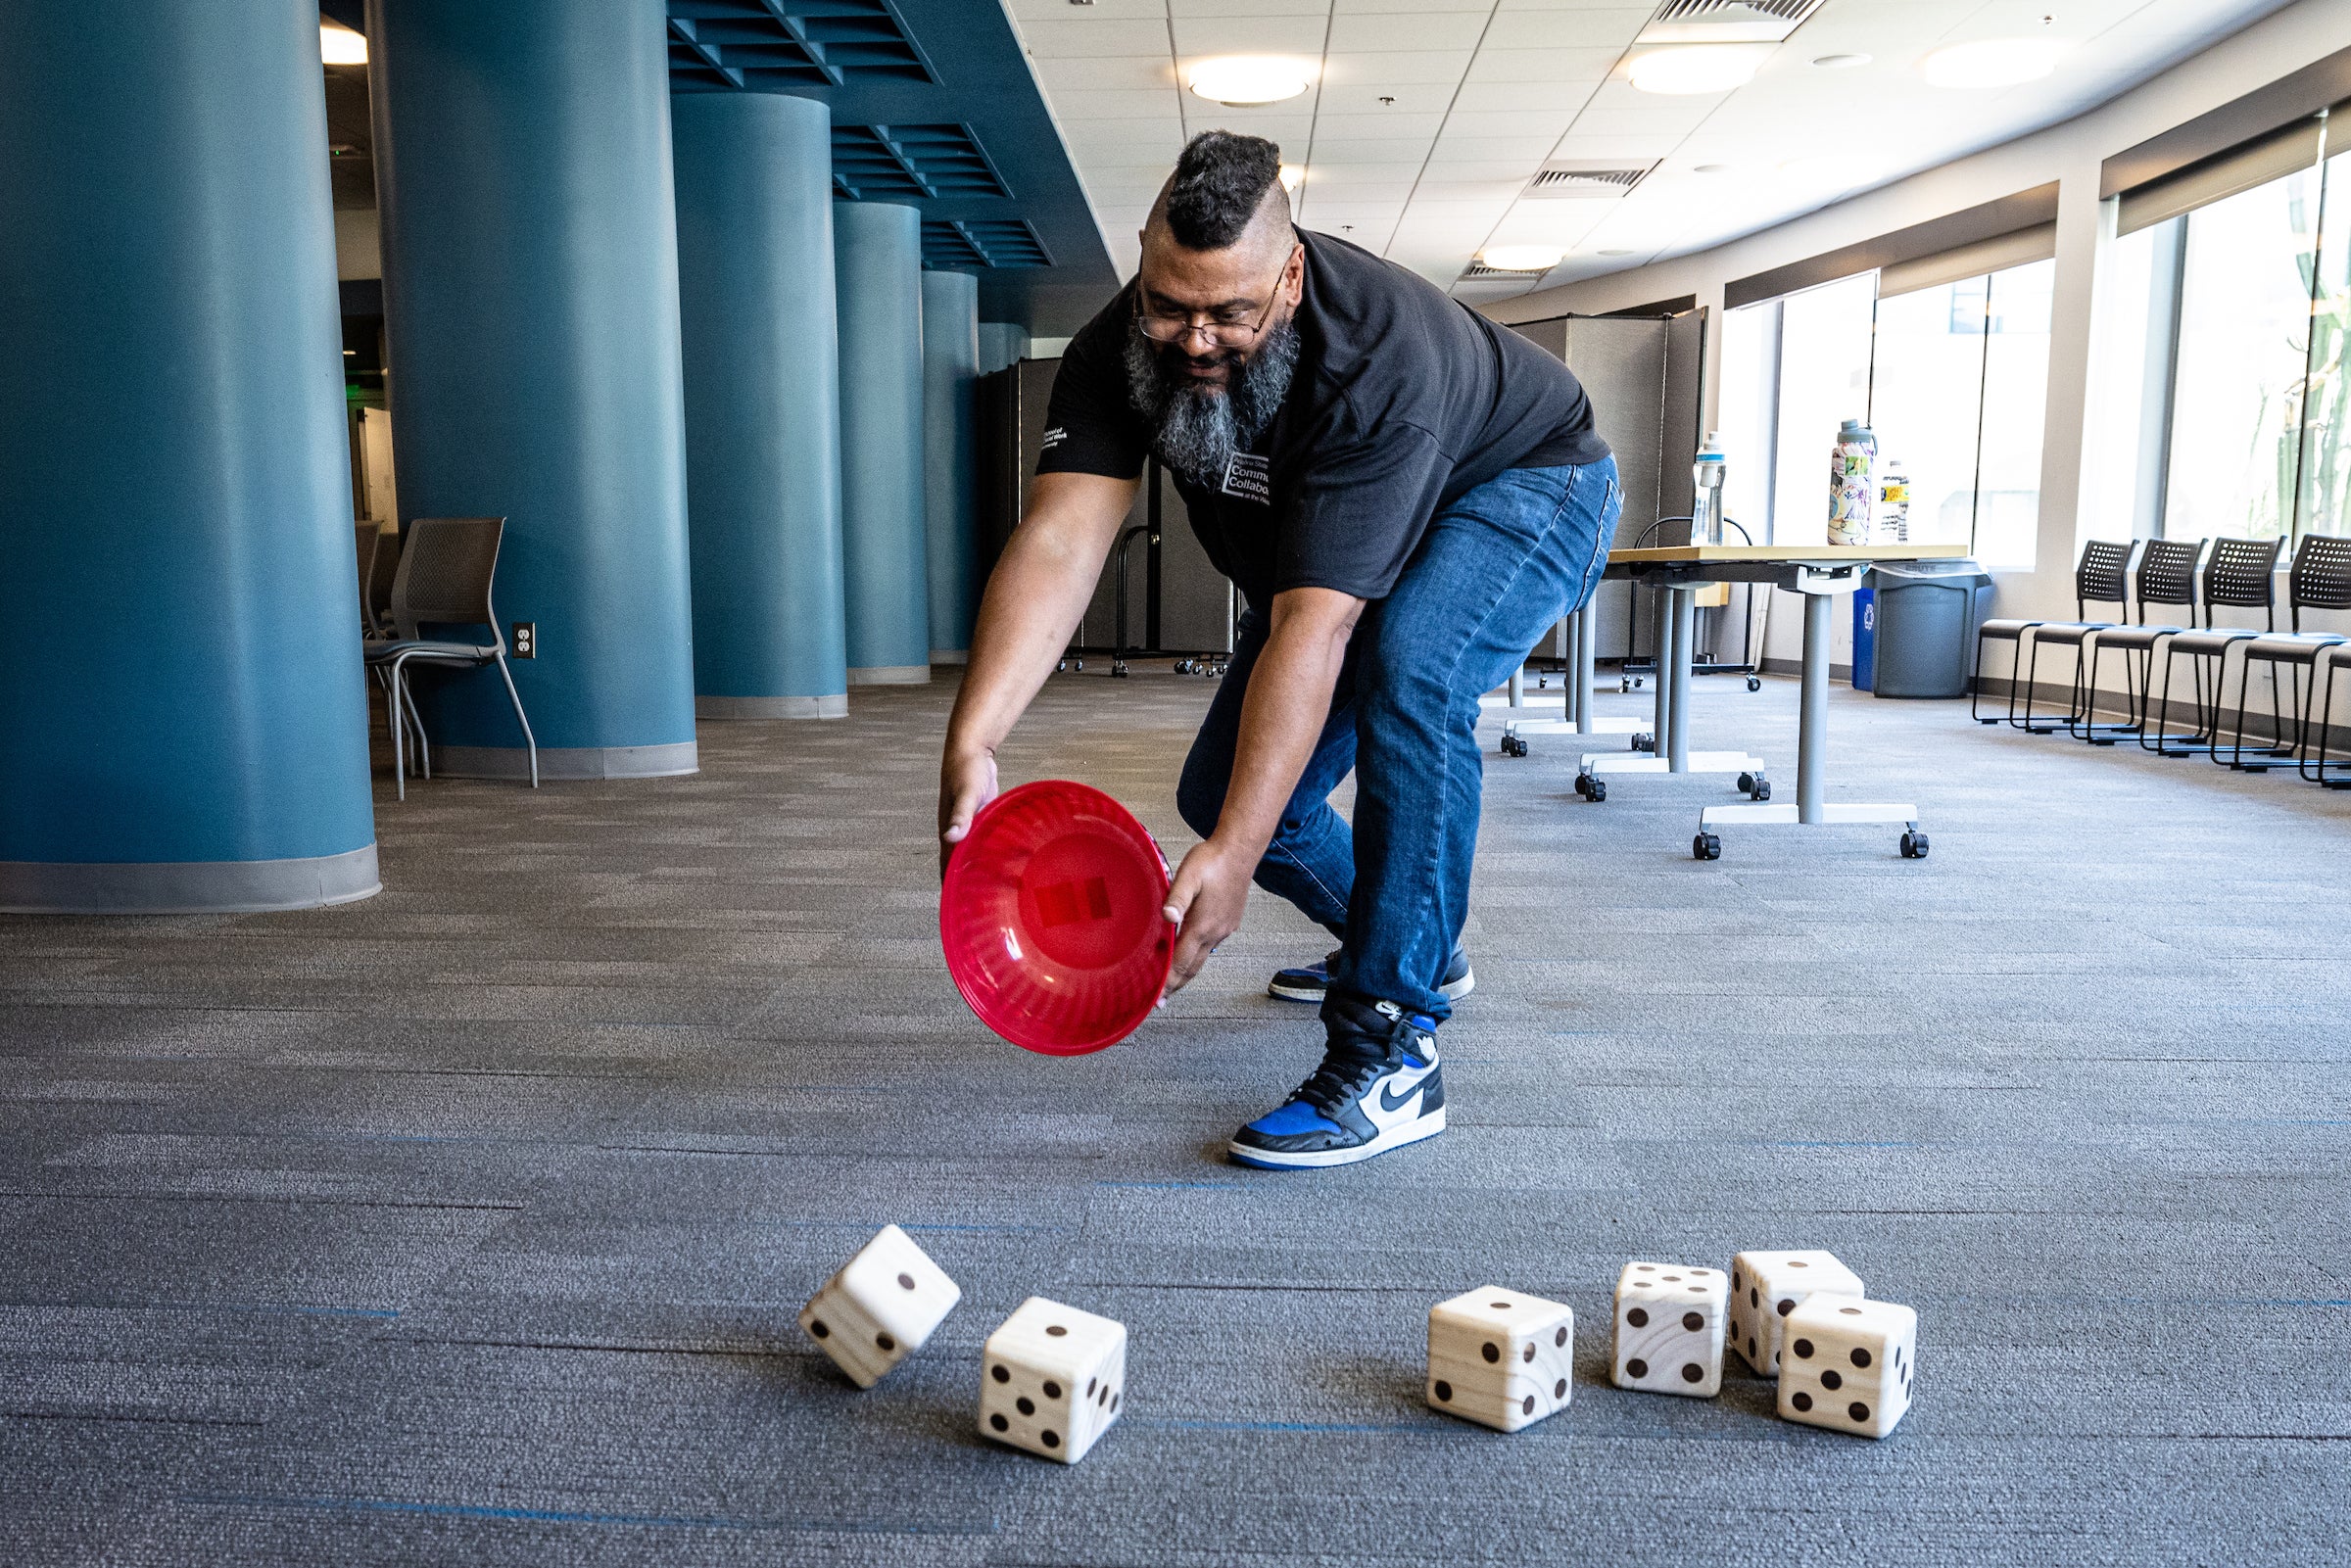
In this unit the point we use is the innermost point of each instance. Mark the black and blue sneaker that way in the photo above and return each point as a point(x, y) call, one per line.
point(1311, 982)
point(1377, 1089)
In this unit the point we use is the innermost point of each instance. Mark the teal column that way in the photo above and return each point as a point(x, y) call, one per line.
point(1001, 344)
point(183, 720)
point(879, 252)
point(531, 299)
point(952, 458)
point(754, 178)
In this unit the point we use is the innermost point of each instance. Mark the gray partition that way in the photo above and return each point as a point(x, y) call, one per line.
point(1643, 374)
point(1189, 612)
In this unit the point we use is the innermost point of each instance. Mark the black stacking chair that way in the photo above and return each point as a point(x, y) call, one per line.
point(444, 581)
point(2321, 769)
point(2320, 579)
point(2165, 576)
point(2239, 573)
point(2101, 577)
point(379, 562)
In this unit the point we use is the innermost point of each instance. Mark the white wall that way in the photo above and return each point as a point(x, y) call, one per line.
point(2069, 153)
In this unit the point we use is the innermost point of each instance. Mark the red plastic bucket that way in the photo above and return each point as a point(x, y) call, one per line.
point(1051, 919)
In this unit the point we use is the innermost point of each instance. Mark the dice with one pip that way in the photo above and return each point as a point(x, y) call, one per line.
point(1052, 1379)
point(1846, 1364)
point(1501, 1358)
point(1670, 1327)
point(880, 1306)
point(1765, 1286)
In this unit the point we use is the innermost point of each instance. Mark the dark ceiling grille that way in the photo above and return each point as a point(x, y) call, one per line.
point(981, 242)
point(878, 162)
point(715, 45)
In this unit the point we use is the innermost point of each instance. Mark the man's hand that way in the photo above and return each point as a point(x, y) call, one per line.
point(1206, 901)
point(966, 780)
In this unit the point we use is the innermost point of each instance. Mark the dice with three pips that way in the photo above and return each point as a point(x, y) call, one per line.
point(880, 1306)
point(1501, 1358)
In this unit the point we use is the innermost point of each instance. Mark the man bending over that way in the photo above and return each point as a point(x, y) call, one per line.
point(1407, 497)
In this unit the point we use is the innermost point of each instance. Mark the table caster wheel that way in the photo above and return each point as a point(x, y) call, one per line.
point(1746, 784)
point(1543, 683)
point(1914, 846)
point(1755, 684)
point(1598, 790)
point(1624, 684)
point(1512, 746)
point(1183, 666)
point(1705, 846)
point(1061, 666)
point(1118, 668)
point(1644, 742)
point(1761, 790)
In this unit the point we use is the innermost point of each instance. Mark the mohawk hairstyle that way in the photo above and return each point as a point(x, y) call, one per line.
point(1218, 185)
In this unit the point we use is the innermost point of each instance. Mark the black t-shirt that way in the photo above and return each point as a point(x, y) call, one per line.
point(1403, 401)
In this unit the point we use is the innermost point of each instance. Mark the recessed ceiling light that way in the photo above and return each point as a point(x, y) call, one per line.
point(338, 45)
point(1620, 252)
point(1521, 258)
point(1696, 69)
point(1839, 62)
point(1244, 79)
point(1292, 177)
point(1992, 63)
point(1711, 168)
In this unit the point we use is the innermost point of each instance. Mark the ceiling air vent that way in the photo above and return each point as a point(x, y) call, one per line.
point(1727, 21)
point(1478, 272)
point(1581, 183)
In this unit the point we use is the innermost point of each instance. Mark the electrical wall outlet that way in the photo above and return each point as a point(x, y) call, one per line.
point(524, 640)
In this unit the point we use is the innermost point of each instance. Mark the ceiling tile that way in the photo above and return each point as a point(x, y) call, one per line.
point(1290, 130)
point(1113, 102)
point(1390, 125)
point(1096, 73)
point(1564, 29)
point(1517, 170)
point(1372, 8)
point(1404, 97)
point(1383, 184)
point(1481, 97)
point(1245, 8)
point(1636, 122)
point(1396, 32)
point(1396, 65)
point(1082, 36)
point(1382, 155)
point(1542, 64)
point(1524, 151)
point(1437, 186)
point(1548, 123)
point(1197, 37)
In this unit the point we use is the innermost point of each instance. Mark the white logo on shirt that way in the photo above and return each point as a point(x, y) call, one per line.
point(1053, 438)
point(1246, 478)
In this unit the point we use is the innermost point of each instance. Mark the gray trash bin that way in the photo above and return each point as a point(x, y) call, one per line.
point(1927, 615)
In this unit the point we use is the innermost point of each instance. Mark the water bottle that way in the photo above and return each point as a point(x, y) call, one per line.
point(1705, 504)
point(1890, 524)
point(1853, 483)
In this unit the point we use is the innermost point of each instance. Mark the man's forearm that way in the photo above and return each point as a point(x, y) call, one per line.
point(1035, 597)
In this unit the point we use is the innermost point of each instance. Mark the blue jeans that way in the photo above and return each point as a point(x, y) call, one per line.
point(1495, 569)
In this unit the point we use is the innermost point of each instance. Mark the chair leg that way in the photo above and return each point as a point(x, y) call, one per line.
point(529, 742)
point(396, 723)
point(424, 746)
point(2322, 676)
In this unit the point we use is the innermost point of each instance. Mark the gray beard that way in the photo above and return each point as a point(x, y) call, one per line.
point(1197, 430)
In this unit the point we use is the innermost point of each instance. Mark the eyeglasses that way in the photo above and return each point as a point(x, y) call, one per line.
point(1223, 334)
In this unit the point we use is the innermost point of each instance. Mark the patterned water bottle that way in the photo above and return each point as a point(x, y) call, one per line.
point(1853, 483)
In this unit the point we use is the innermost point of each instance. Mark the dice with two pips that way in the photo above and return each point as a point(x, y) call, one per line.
point(1052, 1379)
point(1765, 1286)
point(1846, 1364)
point(1670, 1327)
point(880, 1306)
point(1501, 1358)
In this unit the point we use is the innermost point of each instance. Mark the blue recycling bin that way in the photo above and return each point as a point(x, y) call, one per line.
point(1865, 639)
point(1914, 628)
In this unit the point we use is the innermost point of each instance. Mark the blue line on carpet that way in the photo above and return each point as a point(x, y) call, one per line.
point(463, 1510)
point(1208, 1186)
point(1840, 1145)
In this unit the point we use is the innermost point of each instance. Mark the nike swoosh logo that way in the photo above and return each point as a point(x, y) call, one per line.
point(1392, 1101)
point(1400, 1090)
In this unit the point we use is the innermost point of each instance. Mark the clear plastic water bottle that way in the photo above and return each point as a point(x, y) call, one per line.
point(1853, 483)
point(1705, 505)
point(1890, 525)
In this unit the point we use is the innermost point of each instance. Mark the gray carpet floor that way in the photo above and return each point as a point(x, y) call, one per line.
point(466, 1224)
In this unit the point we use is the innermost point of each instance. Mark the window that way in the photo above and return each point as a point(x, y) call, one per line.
point(2223, 401)
point(1953, 378)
